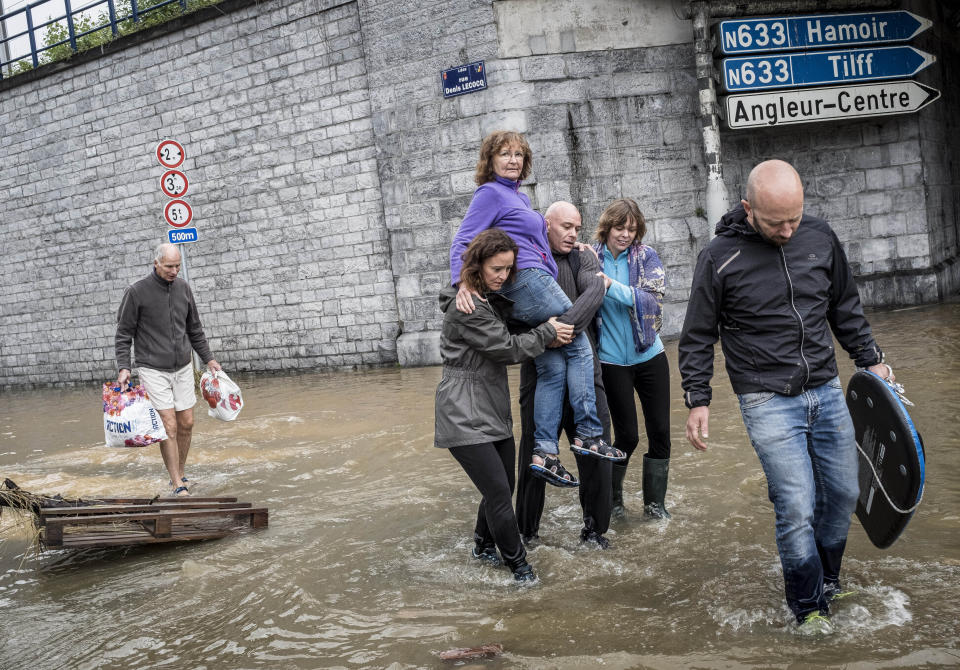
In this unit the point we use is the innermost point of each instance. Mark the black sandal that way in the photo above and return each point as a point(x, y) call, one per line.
point(596, 447)
point(552, 471)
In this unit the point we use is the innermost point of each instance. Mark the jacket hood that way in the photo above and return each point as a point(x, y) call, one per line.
point(734, 223)
point(448, 296)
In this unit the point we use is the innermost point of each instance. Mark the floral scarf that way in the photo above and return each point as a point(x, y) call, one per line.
point(647, 280)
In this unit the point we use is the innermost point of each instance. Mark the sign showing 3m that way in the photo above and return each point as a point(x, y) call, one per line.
point(174, 183)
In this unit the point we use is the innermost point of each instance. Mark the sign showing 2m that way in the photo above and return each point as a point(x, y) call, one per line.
point(170, 153)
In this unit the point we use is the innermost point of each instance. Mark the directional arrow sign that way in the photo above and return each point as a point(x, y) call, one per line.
point(829, 103)
point(822, 67)
point(818, 31)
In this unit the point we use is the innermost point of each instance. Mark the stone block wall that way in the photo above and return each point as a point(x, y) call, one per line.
point(888, 186)
point(867, 179)
point(939, 135)
point(270, 99)
point(328, 174)
point(602, 124)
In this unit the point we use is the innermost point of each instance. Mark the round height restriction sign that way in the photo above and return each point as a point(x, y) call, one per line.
point(170, 153)
point(178, 213)
point(174, 183)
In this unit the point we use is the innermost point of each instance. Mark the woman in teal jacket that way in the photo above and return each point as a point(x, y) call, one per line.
point(631, 354)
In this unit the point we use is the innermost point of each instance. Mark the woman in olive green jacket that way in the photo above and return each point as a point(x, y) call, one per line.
point(473, 418)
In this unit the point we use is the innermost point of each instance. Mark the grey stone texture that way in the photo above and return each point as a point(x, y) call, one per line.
point(889, 187)
point(328, 175)
point(292, 268)
point(601, 125)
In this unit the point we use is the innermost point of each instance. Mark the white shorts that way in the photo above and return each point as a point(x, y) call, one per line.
point(169, 390)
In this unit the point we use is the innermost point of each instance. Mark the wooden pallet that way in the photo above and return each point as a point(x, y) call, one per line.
point(109, 522)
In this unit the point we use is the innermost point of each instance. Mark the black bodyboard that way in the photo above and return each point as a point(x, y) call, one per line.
point(889, 442)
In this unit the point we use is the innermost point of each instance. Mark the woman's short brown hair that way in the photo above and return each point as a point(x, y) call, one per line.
point(492, 144)
point(619, 212)
point(489, 243)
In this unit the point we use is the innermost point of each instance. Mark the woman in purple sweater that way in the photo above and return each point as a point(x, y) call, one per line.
point(505, 160)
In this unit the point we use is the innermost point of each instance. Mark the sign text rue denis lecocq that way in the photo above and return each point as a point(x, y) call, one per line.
point(464, 79)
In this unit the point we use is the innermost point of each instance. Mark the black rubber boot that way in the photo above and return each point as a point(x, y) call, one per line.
point(618, 511)
point(655, 471)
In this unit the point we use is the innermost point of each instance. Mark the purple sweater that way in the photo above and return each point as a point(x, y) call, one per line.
point(499, 203)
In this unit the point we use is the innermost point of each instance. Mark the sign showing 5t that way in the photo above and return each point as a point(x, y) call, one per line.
point(174, 183)
point(178, 213)
point(170, 153)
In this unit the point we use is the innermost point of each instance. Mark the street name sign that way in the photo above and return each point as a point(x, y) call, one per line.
point(822, 67)
point(178, 213)
point(818, 31)
point(468, 78)
point(170, 153)
point(828, 103)
point(182, 235)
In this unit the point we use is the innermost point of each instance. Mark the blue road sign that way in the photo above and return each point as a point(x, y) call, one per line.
point(818, 31)
point(812, 68)
point(182, 235)
point(468, 78)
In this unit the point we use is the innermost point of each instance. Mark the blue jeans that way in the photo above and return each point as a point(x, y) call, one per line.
point(808, 451)
point(537, 297)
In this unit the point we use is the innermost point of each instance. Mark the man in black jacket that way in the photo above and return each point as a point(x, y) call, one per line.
point(159, 317)
point(772, 285)
point(578, 277)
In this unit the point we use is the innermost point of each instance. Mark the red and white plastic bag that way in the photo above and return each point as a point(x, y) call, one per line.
point(129, 420)
point(222, 394)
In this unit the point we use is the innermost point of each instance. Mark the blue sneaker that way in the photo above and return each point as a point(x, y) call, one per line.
point(486, 555)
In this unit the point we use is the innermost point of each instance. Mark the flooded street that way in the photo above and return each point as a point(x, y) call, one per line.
point(365, 563)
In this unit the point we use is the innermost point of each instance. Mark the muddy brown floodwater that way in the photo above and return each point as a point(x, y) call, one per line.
point(365, 563)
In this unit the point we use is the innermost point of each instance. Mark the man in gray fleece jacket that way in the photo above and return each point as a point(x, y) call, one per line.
point(159, 316)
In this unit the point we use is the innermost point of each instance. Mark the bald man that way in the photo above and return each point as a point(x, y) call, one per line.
point(772, 285)
point(158, 315)
point(577, 274)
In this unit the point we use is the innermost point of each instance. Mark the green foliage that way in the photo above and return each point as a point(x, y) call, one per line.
point(58, 34)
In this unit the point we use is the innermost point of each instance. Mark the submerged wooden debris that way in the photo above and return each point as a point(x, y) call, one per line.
point(465, 653)
point(116, 521)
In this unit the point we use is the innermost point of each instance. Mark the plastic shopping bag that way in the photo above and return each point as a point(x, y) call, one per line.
point(222, 394)
point(129, 420)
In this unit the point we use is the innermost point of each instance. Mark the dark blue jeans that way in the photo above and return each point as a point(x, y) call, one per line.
point(537, 297)
point(808, 451)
